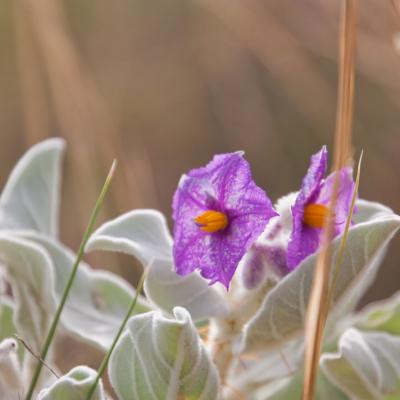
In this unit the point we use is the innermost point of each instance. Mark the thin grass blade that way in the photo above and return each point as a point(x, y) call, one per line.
point(53, 327)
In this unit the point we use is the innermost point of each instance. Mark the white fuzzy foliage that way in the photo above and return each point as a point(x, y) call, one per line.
point(282, 313)
point(141, 233)
point(161, 358)
point(382, 315)
point(39, 268)
point(30, 199)
point(144, 234)
point(166, 289)
point(73, 386)
point(31, 276)
point(367, 365)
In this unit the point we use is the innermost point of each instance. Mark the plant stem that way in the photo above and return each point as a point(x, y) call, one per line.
point(71, 278)
point(119, 333)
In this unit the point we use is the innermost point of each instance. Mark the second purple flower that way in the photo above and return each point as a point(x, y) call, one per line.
point(311, 208)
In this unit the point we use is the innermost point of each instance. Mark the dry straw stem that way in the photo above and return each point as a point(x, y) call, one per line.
point(396, 6)
point(319, 297)
point(30, 350)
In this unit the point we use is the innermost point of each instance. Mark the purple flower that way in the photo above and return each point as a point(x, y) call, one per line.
point(260, 261)
point(310, 209)
point(218, 212)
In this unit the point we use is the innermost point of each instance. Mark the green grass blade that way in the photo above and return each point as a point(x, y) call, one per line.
point(79, 257)
point(104, 363)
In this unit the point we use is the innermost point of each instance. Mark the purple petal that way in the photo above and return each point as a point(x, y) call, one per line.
point(225, 184)
point(313, 180)
point(344, 197)
point(260, 260)
point(305, 240)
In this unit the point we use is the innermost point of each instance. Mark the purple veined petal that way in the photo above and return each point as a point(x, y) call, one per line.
point(305, 240)
point(262, 260)
point(225, 184)
point(344, 197)
point(313, 179)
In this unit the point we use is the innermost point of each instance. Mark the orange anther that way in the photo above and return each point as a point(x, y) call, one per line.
point(212, 221)
point(315, 215)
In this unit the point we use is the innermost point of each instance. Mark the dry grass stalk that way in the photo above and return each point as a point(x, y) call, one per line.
point(35, 106)
point(396, 6)
point(319, 298)
point(81, 113)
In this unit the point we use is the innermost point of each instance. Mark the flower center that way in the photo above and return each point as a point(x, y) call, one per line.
point(212, 221)
point(315, 215)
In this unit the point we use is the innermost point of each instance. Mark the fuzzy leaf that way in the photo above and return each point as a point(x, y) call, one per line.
point(292, 387)
point(30, 199)
point(282, 313)
point(74, 385)
point(7, 327)
point(367, 210)
point(31, 276)
point(141, 233)
point(381, 316)
point(166, 289)
point(98, 300)
point(269, 366)
point(144, 234)
point(160, 358)
point(367, 365)
point(39, 269)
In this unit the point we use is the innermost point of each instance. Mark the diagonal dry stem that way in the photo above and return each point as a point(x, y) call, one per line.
point(319, 297)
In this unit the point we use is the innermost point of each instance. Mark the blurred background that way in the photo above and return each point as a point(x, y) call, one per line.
point(163, 85)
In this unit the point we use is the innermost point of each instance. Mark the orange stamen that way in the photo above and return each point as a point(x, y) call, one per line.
point(212, 221)
point(315, 215)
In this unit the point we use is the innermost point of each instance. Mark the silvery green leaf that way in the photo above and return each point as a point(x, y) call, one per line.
point(7, 327)
point(160, 358)
point(98, 300)
point(141, 233)
point(282, 314)
point(366, 366)
point(31, 276)
point(30, 199)
point(367, 210)
point(269, 366)
point(73, 386)
point(39, 268)
point(381, 316)
point(144, 234)
point(166, 289)
point(292, 387)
